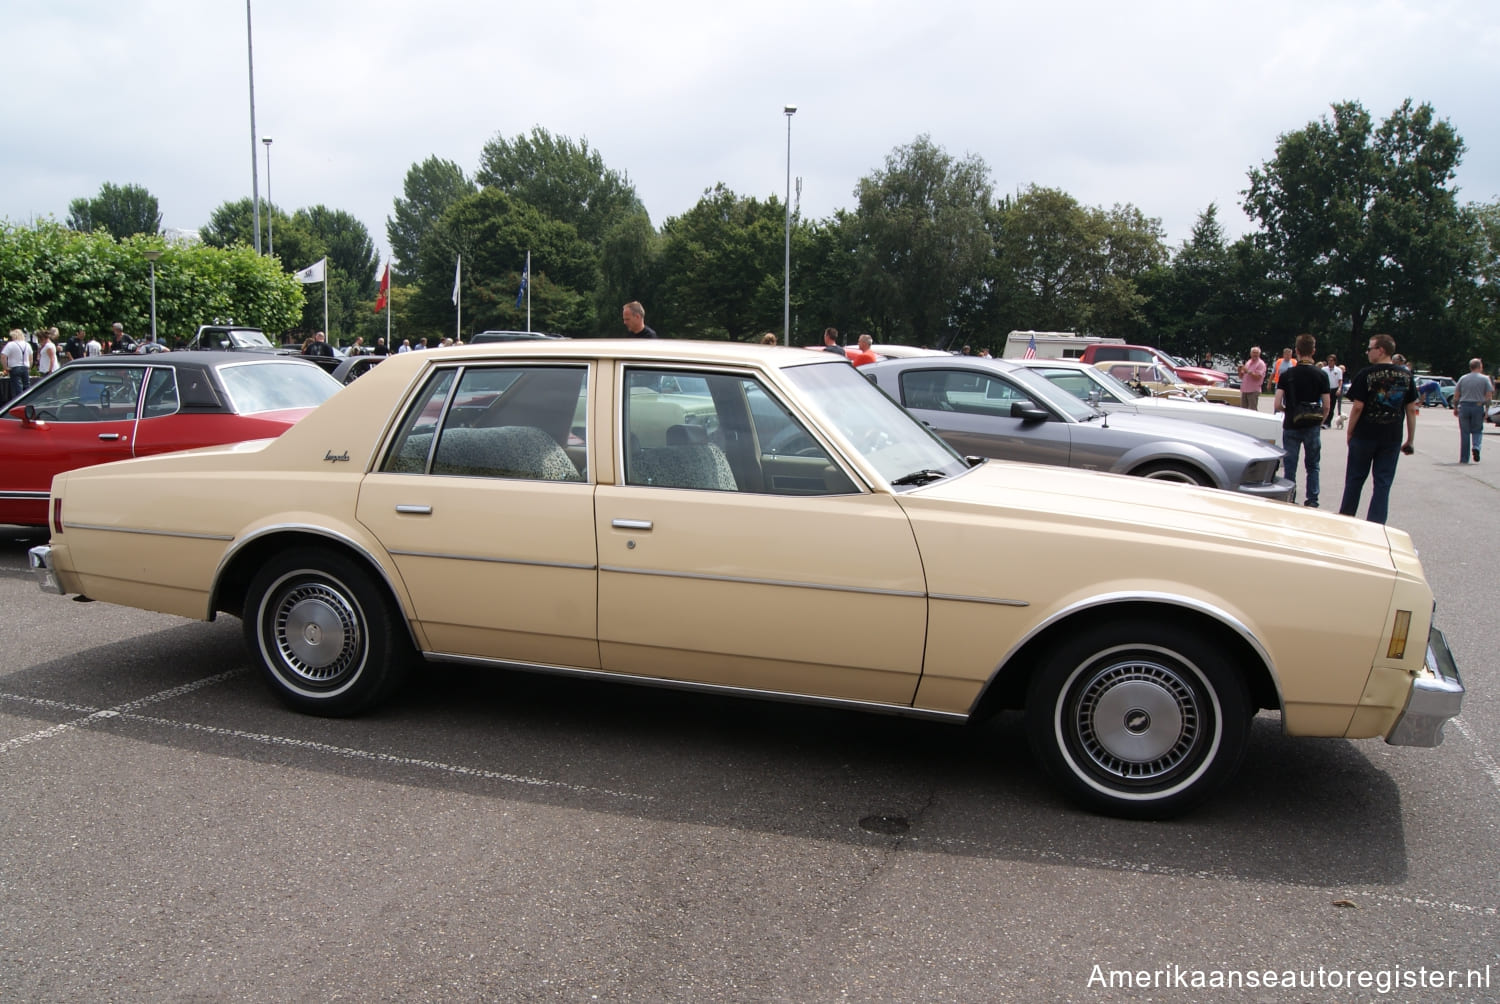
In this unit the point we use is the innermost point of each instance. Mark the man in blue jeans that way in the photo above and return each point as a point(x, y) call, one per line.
point(1473, 392)
point(1382, 397)
point(1303, 399)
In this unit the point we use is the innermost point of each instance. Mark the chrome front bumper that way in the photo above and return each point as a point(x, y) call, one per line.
point(41, 567)
point(1435, 697)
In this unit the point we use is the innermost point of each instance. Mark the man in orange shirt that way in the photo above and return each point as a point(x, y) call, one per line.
point(864, 356)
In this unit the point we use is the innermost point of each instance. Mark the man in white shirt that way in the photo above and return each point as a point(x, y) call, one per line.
point(94, 348)
point(16, 360)
point(46, 357)
point(1335, 374)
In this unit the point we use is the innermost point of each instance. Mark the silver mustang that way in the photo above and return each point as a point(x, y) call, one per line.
point(1000, 409)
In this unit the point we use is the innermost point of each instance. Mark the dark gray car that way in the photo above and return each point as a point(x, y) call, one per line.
point(995, 408)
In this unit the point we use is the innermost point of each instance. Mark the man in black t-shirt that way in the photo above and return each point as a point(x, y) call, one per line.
point(1383, 398)
point(634, 316)
point(1303, 398)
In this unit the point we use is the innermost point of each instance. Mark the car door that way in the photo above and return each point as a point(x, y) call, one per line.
point(739, 554)
point(85, 415)
point(488, 519)
point(971, 410)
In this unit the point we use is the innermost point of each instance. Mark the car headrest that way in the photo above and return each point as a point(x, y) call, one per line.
point(686, 435)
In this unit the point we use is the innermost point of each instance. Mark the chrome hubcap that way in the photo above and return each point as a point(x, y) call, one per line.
point(317, 632)
point(1137, 720)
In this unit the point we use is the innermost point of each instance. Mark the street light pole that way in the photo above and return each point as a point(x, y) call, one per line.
point(151, 257)
point(786, 286)
point(270, 206)
point(254, 172)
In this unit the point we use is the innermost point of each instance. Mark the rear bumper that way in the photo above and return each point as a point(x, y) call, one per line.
point(1436, 696)
point(40, 558)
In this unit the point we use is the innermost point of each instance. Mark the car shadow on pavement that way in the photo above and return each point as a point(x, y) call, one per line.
point(1300, 811)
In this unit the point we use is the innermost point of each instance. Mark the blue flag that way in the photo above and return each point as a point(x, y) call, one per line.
point(525, 274)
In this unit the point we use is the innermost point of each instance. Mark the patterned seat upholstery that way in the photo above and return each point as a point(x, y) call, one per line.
point(689, 461)
point(510, 451)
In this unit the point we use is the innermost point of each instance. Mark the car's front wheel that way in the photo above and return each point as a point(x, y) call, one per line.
point(1181, 474)
point(327, 638)
point(1138, 720)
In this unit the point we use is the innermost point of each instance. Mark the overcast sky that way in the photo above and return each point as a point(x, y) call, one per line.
point(1165, 104)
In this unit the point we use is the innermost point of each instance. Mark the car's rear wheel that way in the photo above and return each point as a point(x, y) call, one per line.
point(1138, 720)
point(1182, 474)
point(327, 638)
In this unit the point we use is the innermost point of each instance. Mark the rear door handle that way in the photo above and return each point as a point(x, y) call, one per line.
point(415, 510)
point(109, 436)
point(631, 524)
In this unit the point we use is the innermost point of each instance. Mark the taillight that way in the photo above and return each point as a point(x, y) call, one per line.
point(57, 515)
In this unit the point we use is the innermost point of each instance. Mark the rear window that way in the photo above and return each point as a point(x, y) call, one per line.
point(276, 386)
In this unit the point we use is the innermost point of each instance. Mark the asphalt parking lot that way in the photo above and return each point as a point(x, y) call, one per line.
point(169, 832)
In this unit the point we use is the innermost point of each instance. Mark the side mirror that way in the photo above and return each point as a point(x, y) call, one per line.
point(27, 415)
point(1027, 411)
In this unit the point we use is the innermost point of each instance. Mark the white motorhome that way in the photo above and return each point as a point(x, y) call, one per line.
point(1051, 344)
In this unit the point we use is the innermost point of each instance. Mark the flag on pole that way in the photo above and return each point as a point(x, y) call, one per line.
point(316, 272)
point(525, 277)
point(458, 271)
point(1030, 349)
point(385, 286)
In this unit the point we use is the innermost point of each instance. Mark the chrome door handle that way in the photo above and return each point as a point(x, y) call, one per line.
point(109, 436)
point(631, 524)
point(415, 510)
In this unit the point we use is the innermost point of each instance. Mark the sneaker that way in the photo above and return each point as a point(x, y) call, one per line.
point(1476, 456)
point(1311, 503)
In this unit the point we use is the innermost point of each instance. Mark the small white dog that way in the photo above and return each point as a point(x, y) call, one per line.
point(1338, 421)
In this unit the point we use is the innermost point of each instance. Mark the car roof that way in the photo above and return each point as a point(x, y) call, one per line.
point(206, 359)
point(665, 351)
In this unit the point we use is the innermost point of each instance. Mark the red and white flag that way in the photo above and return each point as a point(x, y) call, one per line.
point(385, 285)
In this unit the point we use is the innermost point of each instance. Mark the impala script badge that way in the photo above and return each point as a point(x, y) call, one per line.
point(334, 458)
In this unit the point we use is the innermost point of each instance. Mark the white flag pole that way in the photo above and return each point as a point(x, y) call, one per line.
point(388, 305)
point(458, 299)
point(325, 301)
point(528, 289)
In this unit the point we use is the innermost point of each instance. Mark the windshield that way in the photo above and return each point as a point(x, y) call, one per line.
point(1043, 392)
point(276, 386)
point(879, 429)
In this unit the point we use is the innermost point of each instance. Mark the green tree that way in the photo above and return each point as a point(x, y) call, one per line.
point(430, 188)
point(493, 231)
point(120, 210)
point(1477, 306)
point(923, 240)
point(50, 275)
point(629, 269)
point(561, 178)
point(1361, 226)
point(722, 263)
point(234, 223)
point(351, 273)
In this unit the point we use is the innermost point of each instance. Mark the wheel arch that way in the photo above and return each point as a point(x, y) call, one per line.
point(1007, 686)
point(239, 565)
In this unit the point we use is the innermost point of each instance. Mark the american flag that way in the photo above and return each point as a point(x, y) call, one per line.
point(1030, 349)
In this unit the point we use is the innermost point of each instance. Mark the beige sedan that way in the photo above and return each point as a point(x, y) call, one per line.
point(1161, 380)
point(669, 513)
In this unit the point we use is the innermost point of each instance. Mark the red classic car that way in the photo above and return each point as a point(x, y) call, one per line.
point(116, 407)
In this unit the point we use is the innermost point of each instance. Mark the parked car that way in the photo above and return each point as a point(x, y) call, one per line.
point(1436, 391)
point(1090, 383)
point(1160, 378)
point(999, 408)
point(435, 507)
point(113, 407)
point(232, 338)
point(351, 368)
point(1198, 376)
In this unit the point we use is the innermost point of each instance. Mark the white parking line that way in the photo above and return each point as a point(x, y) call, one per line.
point(91, 716)
point(101, 715)
point(1486, 762)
